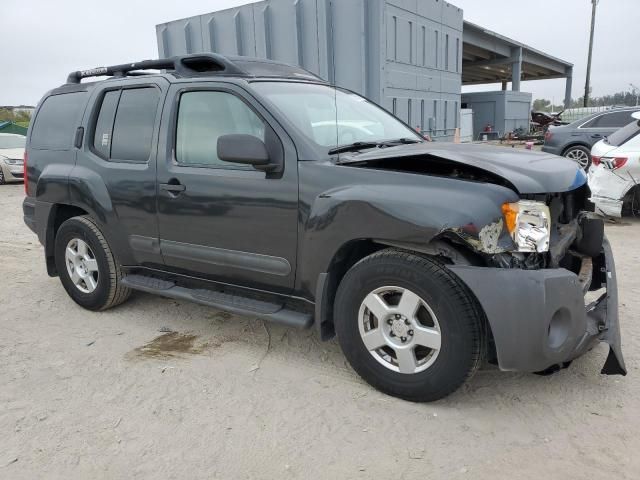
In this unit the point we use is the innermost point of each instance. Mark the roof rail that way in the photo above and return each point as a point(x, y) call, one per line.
point(182, 64)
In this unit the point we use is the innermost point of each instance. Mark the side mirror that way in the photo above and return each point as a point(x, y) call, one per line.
point(245, 149)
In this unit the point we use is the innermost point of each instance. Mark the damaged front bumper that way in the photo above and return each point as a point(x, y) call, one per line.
point(539, 319)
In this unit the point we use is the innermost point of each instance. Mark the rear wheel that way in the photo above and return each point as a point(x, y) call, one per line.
point(579, 154)
point(2, 179)
point(88, 269)
point(408, 325)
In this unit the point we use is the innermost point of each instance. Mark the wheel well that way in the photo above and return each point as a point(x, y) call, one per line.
point(575, 145)
point(59, 214)
point(352, 252)
point(631, 201)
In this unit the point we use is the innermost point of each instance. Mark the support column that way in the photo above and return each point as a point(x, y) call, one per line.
point(516, 68)
point(567, 88)
point(504, 85)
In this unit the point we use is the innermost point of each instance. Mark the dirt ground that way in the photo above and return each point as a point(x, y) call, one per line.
point(162, 389)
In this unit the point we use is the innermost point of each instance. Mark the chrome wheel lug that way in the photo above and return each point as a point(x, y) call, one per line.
point(410, 332)
point(389, 322)
point(406, 322)
point(397, 316)
point(404, 339)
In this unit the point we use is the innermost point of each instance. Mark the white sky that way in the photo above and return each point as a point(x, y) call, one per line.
point(43, 40)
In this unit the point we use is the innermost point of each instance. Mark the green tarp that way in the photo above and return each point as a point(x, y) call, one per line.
point(10, 127)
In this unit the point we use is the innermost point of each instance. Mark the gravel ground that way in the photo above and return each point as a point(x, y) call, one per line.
point(164, 389)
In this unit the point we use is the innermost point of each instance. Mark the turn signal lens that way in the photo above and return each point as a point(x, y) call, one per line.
point(595, 160)
point(510, 212)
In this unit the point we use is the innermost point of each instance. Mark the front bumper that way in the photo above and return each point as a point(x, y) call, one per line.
point(538, 318)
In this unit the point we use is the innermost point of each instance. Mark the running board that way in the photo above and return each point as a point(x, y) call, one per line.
point(273, 312)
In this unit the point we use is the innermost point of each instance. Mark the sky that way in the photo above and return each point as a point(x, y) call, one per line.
point(44, 40)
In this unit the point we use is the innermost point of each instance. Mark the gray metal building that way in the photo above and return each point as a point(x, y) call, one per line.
point(410, 56)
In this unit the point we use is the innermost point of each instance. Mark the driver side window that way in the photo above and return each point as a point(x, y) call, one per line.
point(203, 117)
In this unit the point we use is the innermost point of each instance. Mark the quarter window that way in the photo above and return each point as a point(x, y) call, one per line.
point(56, 121)
point(203, 117)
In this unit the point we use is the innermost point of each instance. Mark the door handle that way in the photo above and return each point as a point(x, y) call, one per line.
point(596, 135)
point(173, 187)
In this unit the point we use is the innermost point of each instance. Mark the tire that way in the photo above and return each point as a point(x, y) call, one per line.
point(579, 154)
point(2, 179)
point(450, 309)
point(98, 263)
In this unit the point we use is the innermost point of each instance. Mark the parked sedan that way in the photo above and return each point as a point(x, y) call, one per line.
point(575, 140)
point(615, 171)
point(11, 157)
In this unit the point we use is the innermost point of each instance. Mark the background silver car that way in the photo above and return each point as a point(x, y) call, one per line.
point(11, 157)
point(576, 139)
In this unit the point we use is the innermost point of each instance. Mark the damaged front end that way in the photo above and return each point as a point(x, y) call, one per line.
point(548, 283)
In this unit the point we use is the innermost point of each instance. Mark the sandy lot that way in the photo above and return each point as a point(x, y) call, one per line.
point(163, 389)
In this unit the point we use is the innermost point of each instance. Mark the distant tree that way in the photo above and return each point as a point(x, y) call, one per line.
point(541, 104)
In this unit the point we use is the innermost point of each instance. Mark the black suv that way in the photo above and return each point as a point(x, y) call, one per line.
point(258, 188)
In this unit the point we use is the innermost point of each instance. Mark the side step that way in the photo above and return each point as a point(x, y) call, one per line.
point(273, 312)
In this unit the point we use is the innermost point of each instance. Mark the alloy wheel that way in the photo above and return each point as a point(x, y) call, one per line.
point(399, 329)
point(579, 156)
point(82, 265)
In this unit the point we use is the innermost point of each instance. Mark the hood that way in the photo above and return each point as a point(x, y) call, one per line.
point(17, 153)
point(527, 171)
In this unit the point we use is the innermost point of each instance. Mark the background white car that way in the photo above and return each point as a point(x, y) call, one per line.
point(11, 157)
point(615, 171)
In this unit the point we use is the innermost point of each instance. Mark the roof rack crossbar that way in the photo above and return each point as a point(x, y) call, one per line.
point(188, 64)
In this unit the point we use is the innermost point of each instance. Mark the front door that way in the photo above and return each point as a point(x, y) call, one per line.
point(225, 221)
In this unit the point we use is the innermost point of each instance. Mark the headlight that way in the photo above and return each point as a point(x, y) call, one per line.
point(13, 161)
point(529, 224)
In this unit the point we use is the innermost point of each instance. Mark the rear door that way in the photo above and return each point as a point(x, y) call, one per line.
point(115, 173)
point(225, 221)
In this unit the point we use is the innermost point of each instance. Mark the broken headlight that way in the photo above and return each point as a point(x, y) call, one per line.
point(529, 224)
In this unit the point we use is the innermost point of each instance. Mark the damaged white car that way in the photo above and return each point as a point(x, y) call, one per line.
point(615, 172)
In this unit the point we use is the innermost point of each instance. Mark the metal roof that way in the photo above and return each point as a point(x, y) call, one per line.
point(488, 57)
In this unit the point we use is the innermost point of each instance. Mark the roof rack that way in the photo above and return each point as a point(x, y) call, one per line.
point(183, 64)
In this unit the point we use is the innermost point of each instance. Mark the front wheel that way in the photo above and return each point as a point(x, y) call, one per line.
point(88, 269)
point(408, 326)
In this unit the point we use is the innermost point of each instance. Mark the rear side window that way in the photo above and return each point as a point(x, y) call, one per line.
point(56, 122)
point(610, 120)
point(622, 136)
point(104, 124)
point(124, 126)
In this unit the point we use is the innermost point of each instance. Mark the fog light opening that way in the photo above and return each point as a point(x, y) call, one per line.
point(559, 328)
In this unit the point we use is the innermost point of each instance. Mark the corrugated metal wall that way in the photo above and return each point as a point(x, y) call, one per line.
point(405, 55)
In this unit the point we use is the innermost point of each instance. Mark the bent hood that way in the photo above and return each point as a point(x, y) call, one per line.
point(528, 171)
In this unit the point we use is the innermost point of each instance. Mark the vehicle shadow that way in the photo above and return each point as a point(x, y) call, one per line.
point(276, 345)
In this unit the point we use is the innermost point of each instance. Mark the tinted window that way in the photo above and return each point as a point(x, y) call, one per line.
point(57, 120)
point(133, 126)
point(205, 116)
point(610, 120)
point(624, 134)
point(104, 124)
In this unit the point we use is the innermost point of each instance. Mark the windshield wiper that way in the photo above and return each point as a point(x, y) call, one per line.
point(354, 147)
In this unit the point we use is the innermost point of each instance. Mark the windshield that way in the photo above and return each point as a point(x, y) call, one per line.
point(10, 141)
point(623, 135)
point(331, 117)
